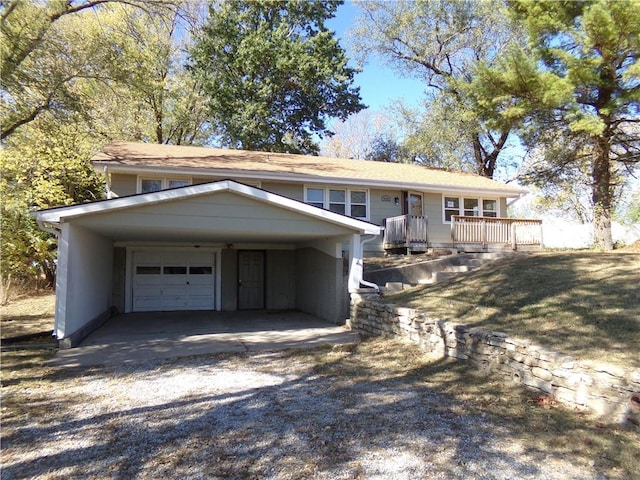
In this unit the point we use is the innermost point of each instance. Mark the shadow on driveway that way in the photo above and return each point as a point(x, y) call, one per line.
point(155, 335)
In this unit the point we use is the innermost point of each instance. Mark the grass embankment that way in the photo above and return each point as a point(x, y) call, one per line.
point(585, 304)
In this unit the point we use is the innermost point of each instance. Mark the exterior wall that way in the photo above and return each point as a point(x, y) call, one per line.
point(119, 278)
point(281, 279)
point(290, 190)
point(502, 208)
point(84, 280)
point(383, 205)
point(603, 389)
point(229, 279)
point(124, 184)
point(438, 232)
point(320, 285)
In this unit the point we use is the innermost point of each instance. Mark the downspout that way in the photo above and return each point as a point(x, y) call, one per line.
point(357, 269)
point(107, 184)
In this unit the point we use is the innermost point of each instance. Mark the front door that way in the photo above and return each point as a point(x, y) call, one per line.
point(415, 203)
point(250, 280)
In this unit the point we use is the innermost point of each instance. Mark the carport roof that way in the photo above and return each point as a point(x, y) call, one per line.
point(55, 216)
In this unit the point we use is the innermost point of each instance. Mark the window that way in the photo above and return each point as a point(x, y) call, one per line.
point(451, 208)
point(354, 203)
point(489, 208)
point(148, 185)
point(315, 197)
point(338, 201)
point(359, 203)
point(469, 207)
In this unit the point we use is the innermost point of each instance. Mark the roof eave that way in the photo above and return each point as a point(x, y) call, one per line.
point(316, 179)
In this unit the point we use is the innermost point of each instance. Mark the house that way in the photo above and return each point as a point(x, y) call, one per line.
point(191, 228)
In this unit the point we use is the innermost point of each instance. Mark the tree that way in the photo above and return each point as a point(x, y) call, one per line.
point(40, 62)
point(354, 137)
point(274, 73)
point(442, 41)
point(44, 164)
point(578, 84)
point(80, 74)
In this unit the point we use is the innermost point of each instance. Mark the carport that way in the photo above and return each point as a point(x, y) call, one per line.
point(221, 246)
point(136, 337)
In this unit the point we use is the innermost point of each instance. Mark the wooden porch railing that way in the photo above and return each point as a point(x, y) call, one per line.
point(488, 231)
point(406, 231)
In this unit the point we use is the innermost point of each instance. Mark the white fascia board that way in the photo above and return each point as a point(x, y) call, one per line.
point(512, 192)
point(61, 214)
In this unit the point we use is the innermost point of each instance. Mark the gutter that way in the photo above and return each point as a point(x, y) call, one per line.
point(47, 227)
point(363, 281)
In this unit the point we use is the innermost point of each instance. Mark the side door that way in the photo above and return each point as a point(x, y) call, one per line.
point(251, 282)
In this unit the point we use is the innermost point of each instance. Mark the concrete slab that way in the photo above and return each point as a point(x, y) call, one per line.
point(146, 336)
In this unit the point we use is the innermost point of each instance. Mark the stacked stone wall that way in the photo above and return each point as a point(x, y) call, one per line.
point(609, 391)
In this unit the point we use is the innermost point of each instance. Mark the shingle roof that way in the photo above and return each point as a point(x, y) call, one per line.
point(129, 156)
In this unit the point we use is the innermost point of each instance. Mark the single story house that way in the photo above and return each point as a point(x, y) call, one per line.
point(192, 228)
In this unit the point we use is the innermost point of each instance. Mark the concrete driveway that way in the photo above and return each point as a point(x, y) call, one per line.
point(156, 335)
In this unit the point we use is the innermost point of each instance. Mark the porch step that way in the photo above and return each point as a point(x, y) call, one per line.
point(393, 287)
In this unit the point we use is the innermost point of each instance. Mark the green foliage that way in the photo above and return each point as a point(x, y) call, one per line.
point(75, 76)
point(585, 91)
point(274, 73)
point(442, 41)
point(43, 165)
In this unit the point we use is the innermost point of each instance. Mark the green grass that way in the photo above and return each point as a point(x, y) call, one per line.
point(585, 304)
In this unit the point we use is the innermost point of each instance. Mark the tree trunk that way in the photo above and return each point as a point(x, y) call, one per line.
point(602, 194)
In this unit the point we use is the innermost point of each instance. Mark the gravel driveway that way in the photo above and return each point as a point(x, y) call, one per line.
point(271, 415)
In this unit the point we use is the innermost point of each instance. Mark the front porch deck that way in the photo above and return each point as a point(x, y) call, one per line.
point(409, 233)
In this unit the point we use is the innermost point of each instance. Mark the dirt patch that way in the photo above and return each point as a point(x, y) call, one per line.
point(378, 409)
point(28, 316)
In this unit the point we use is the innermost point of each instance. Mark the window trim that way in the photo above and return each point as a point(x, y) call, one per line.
point(347, 192)
point(164, 179)
point(461, 199)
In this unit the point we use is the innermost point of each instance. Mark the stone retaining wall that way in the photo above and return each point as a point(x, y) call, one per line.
point(609, 391)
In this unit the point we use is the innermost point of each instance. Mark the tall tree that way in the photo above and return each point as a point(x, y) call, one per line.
point(441, 41)
point(274, 73)
point(39, 64)
point(579, 84)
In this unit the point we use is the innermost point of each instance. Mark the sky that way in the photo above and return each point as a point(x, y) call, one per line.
point(379, 84)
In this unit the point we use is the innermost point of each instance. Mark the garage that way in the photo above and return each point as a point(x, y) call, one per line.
point(171, 280)
point(220, 246)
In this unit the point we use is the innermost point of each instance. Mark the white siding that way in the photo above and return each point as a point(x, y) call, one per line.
point(84, 279)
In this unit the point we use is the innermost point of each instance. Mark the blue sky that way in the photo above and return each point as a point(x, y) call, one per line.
point(379, 84)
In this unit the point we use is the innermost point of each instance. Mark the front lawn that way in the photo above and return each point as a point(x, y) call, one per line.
point(585, 304)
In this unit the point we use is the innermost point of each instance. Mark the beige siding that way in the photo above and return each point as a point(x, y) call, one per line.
point(290, 190)
point(320, 286)
point(503, 208)
point(281, 279)
point(123, 184)
point(437, 231)
point(229, 276)
point(383, 205)
point(119, 275)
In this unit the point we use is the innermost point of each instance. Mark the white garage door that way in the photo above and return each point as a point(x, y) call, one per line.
point(164, 281)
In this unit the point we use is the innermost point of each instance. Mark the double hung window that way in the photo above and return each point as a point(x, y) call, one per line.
point(469, 207)
point(345, 201)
